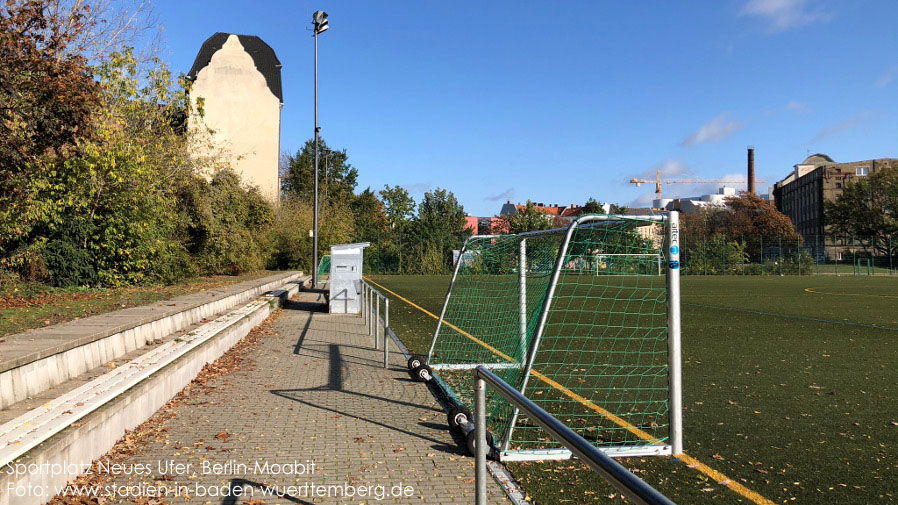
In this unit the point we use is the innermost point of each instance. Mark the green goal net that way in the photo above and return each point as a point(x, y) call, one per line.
point(324, 265)
point(577, 320)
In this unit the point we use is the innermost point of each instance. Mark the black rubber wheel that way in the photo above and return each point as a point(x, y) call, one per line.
point(422, 373)
point(456, 414)
point(471, 439)
point(415, 361)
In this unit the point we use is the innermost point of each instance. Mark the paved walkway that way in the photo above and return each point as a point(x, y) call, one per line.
point(317, 392)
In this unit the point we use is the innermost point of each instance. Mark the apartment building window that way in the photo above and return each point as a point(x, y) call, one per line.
point(862, 171)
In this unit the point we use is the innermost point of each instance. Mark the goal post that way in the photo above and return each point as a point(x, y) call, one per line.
point(599, 350)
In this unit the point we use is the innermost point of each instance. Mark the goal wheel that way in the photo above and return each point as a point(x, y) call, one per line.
point(415, 361)
point(459, 415)
point(471, 442)
point(422, 373)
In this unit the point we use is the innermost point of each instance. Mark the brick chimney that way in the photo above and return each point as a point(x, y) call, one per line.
point(751, 170)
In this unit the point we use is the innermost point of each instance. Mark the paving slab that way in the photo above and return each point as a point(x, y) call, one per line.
point(316, 392)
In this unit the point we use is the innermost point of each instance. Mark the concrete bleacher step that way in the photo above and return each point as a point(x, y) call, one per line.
point(20, 435)
point(92, 411)
point(35, 361)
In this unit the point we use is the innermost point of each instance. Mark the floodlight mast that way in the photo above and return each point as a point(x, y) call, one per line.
point(319, 18)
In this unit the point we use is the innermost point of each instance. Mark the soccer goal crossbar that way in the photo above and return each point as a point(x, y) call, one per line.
point(583, 320)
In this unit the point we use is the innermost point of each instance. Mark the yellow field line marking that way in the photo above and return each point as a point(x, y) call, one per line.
point(813, 290)
point(688, 460)
point(724, 480)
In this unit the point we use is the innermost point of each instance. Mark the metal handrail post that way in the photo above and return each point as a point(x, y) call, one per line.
point(386, 332)
point(522, 295)
point(376, 322)
point(480, 443)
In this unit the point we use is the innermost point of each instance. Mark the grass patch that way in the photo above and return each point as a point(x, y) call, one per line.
point(792, 409)
point(24, 306)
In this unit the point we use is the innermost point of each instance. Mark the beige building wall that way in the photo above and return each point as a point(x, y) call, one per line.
point(243, 113)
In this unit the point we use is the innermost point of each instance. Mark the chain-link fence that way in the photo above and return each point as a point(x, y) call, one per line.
point(814, 255)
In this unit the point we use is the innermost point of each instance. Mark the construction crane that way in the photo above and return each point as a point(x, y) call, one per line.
point(658, 182)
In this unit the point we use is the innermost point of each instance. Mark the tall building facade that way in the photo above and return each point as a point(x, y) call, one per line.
point(818, 179)
point(237, 79)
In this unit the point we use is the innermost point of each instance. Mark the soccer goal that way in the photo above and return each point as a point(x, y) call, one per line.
point(583, 320)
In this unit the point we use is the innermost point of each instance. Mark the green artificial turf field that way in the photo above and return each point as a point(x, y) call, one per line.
point(789, 389)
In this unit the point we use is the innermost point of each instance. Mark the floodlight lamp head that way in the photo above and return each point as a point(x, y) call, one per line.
point(320, 20)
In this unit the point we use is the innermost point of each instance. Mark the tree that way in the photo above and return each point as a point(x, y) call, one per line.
point(530, 218)
point(593, 207)
point(47, 95)
point(400, 206)
point(438, 229)
point(369, 216)
point(867, 207)
point(337, 179)
point(751, 215)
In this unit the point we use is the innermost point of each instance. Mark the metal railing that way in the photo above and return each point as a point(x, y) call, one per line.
point(628, 484)
point(371, 315)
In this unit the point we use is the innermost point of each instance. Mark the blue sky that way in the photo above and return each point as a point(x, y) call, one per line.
point(561, 101)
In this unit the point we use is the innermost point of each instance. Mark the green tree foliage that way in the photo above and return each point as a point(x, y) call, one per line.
point(592, 206)
point(530, 218)
point(127, 204)
point(868, 208)
point(225, 224)
point(337, 179)
point(47, 94)
point(292, 245)
point(437, 230)
point(400, 206)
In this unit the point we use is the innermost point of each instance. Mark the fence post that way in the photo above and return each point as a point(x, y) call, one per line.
point(817, 253)
point(386, 332)
point(376, 323)
point(781, 255)
point(704, 257)
point(725, 246)
point(763, 266)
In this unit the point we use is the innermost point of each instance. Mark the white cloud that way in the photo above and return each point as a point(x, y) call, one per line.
point(419, 187)
point(793, 105)
point(847, 124)
point(715, 130)
point(668, 168)
point(784, 14)
point(887, 77)
point(642, 201)
point(505, 195)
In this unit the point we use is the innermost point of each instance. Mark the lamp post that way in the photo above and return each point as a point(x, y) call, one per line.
point(319, 18)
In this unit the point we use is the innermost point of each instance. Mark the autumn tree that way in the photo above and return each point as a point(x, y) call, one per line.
point(47, 96)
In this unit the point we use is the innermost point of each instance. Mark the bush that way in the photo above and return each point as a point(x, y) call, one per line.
point(69, 265)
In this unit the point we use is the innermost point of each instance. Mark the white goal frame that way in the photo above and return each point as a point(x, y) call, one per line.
point(672, 253)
